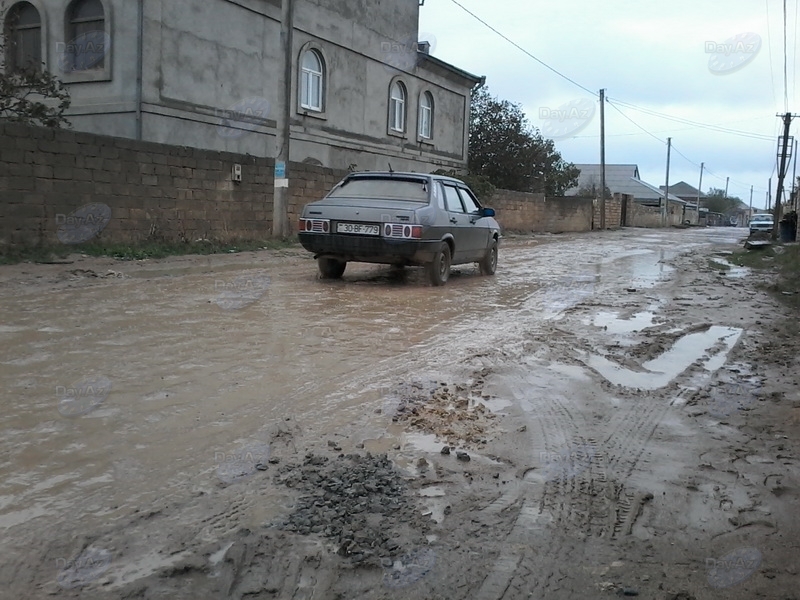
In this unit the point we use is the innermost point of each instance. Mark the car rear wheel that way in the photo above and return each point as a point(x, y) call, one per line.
point(330, 268)
point(489, 263)
point(439, 269)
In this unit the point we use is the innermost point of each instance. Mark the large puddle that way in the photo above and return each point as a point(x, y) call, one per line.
point(708, 348)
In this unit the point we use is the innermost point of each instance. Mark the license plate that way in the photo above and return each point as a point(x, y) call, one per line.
point(358, 228)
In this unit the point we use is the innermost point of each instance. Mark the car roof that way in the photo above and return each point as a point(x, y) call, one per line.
point(401, 175)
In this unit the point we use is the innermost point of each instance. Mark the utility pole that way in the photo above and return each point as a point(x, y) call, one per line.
point(280, 203)
point(794, 177)
point(776, 215)
point(602, 160)
point(750, 212)
point(769, 194)
point(727, 179)
point(699, 187)
point(665, 207)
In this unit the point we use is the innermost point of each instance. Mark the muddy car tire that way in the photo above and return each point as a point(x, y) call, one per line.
point(489, 263)
point(330, 268)
point(439, 269)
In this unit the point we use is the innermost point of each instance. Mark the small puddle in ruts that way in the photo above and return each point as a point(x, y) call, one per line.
point(733, 271)
point(433, 497)
point(686, 351)
point(645, 268)
point(616, 325)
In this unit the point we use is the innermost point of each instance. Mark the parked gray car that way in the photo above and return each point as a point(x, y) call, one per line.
point(402, 219)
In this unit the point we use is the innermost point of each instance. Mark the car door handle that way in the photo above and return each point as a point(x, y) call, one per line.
point(454, 220)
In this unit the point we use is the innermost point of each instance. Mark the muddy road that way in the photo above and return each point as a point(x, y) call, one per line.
point(620, 414)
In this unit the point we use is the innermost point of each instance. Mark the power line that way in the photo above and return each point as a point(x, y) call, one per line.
point(611, 104)
point(794, 61)
point(634, 107)
point(769, 49)
point(686, 158)
point(684, 121)
point(513, 43)
point(572, 81)
point(710, 172)
point(670, 130)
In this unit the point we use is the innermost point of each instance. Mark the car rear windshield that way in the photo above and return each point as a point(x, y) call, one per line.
point(413, 190)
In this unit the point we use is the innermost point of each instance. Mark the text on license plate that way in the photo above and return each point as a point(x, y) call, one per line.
point(358, 228)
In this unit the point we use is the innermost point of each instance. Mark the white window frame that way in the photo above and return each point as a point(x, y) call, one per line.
point(397, 107)
point(425, 125)
point(308, 77)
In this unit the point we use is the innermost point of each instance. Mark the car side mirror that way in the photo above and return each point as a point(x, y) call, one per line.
point(487, 212)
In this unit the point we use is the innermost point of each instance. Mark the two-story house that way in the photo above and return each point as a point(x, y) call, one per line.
point(209, 73)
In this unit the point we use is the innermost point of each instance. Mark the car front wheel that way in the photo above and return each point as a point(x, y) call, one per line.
point(439, 269)
point(489, 263)
point(330, 268)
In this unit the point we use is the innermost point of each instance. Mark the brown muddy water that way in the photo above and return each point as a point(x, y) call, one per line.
point(134, 387)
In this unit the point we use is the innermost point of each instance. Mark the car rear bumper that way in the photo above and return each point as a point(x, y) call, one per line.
point(370, 249)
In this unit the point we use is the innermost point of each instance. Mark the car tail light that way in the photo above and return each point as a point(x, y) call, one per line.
point(402, 231)
point(314, 225)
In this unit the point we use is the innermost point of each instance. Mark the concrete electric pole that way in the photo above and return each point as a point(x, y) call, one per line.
point(699, 191)
point(665, 206)
point(782, 156)
point(602, 159)
point(280, 202)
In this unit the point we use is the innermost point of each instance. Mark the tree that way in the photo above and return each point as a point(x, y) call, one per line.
point(717, 201)
point(31, 95)
point(479, 184)
point(591, 189)
point(512, 154)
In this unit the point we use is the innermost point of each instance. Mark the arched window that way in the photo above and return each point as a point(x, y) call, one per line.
point(87, 43)
point(397, 107)
point(23, 33)
point(426, 115)
point(311, 81)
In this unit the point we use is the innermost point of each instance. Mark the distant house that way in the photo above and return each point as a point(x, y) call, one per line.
point(684, 191)
point(365, 90)
point(620, 179)
point(624, 179)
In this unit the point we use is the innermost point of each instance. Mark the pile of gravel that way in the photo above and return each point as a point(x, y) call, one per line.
point(358, 501)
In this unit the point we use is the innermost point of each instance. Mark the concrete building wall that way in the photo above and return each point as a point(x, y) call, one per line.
point(208, 62)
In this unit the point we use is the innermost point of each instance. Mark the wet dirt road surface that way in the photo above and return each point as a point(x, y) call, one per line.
point(232, 426)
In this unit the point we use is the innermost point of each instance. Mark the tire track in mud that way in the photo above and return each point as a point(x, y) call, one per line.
point(587, 499)
point(571, 498)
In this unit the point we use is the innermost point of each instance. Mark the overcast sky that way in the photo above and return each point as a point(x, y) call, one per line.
point(658, 56)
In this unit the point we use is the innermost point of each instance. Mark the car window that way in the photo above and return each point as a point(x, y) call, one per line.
point(469, 202)
point(438, 196)
point(415, 190)
point(453, 199)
